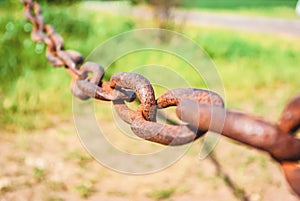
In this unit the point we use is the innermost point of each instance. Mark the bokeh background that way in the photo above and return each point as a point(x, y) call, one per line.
point(41, 155)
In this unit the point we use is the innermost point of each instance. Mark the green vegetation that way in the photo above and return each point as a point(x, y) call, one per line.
point(80, 158)
point(253, 62)
point(236, 4)
point(162, 194)
point(39, 174)
point(274, 8)
point(33, 93)
point(268, 8)
point(84, 190)
point(259, 72)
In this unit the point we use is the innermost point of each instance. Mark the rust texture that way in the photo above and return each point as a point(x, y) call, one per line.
point(245, 128)
point(175, 96)
point(202, 109)
point(143, 89)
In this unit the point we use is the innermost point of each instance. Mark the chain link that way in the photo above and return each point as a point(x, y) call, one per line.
point(203, 110)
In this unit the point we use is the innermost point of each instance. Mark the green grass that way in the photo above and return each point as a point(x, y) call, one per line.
point(84, 189)
point(255, 67)
point(236, 4)
point(162, 194)
point(277, 12)
point(259, 72)
point(35, 95)
point(268, 8)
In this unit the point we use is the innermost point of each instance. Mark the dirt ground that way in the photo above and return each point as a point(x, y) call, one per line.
point(52, 165)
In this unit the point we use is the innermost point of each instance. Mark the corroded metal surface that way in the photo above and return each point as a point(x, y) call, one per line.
point(143, 89)
point(248, 129)
point(203, 110)
point(175, 96)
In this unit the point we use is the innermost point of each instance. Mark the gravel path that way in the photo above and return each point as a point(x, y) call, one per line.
point(286, 27)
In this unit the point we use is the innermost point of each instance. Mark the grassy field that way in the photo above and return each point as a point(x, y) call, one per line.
point(32, 91)
point(31, 88)
point(259, 72)
point(236, 4)
point(269, 8)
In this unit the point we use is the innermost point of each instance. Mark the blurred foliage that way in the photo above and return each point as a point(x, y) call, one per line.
point(163, 15)
point(236, 4)
point(15, 3)
point(59, 2)
point(17, 45)
point(162, 194)
point(33, 92)
point(34, 95)
point(226, 4)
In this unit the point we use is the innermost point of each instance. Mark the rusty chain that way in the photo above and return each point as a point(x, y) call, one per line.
point(201, 109)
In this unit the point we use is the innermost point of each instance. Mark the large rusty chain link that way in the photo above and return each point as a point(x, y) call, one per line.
point(201, 109)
